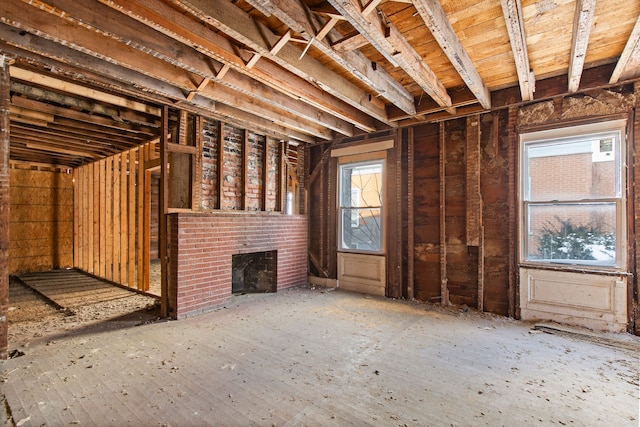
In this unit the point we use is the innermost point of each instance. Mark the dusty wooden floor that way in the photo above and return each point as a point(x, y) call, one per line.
point(311, 357)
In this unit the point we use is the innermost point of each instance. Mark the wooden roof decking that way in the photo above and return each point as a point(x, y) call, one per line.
point(88, 78)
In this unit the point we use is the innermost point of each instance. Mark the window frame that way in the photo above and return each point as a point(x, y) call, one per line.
point(574, 134)
point(356, 161)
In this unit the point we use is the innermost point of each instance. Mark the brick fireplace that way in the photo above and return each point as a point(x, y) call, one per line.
point(202, 249)
point(254, 272)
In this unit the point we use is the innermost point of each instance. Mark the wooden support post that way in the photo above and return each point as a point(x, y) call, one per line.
point(95, 236)
point(140, 216)
point(163, 208)
point(513, 208)
point(102, 265)
point(87, 215)
point(5, 102)
point(245, 170)
point(282, 178)
point(108, 196)
point(265, 174)
point(146, 241)
point(196, 193)
point(77, 219)
point(444, 291)
point(131, 210)
point(124, 218)
point(410, 216)
point(474, 228)
point(116, 218)
point(220, 165)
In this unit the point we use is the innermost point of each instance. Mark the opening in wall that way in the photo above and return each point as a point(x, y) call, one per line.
point(254, 272)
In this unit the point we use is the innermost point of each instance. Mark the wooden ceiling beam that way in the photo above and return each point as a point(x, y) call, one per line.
point(83, 91)
point(143, 131)
point(298, 18)
point(122, 54)
point(167, 20)
point(231, 20)
point(42, 94)
point(512, 10)
point(67, 137)
point(351, 42)
point(628, 66)
point(388, 40)
point(583, 21)
point(436, 20)
point(459, 98)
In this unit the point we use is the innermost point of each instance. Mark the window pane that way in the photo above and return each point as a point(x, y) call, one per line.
point(576, 170)
point(361, 229)
point(581, 233)
point(361, 185)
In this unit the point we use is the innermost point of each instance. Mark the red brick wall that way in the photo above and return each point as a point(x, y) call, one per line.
point(232, 174)
point(202, 245)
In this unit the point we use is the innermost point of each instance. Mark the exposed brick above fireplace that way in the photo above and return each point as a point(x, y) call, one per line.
point(202, 246)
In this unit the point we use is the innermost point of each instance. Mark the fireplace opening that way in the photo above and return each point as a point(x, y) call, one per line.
point(254, 272)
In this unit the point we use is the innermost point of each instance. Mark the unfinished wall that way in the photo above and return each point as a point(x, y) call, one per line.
point(224, 171)
point(41, 219)
point(472, 256)
point(202, 245)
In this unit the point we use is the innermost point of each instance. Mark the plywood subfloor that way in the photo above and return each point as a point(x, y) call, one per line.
point(70, 289)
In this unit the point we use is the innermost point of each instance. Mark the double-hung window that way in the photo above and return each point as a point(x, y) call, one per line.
point(360, 206)
point(572, 195)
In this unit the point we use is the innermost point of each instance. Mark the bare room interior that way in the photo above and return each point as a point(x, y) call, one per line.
point(473, 162)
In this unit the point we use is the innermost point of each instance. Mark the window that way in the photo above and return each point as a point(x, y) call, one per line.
point(360, 206)
point(572, 196)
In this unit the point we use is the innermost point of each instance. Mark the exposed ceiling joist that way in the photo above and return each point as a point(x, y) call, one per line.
point(512, 10)
point(585, 10)
point(167, 20)
point(228, 18)
point(628, 65)
point(155, 66)
point(297, 16)
point(436, 20)
point(82, 91)
point(388, 40)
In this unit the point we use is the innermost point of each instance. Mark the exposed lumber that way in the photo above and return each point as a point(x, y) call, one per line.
point(41, 94)
point(628, 66)
point(297, 17)
point(124, 218)
point(512, 10)
point(410, 214)
point(388, 40)
point(245, 169)
point(230, 19)
point(4, 202)
point(444, 290)
point(351, 42)
point(102, 226)
point(220, 177)
point(159, 66)
point(473, 198)
point(166, 298)
point(131, 209)
point(424, 106)
point(134, 130)
point(58, 84)
point(108, 208)
point(583, 20)
point(436, 20)
point(169, 21)
point(94, 173)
